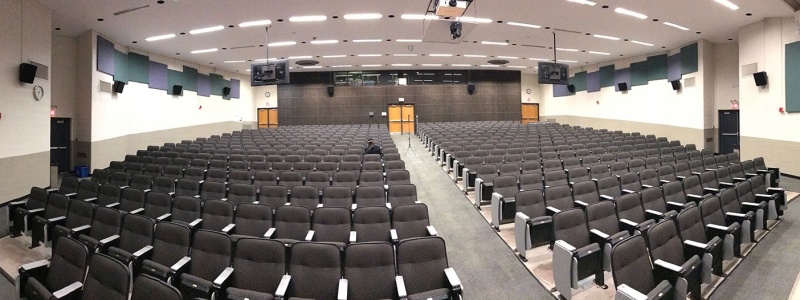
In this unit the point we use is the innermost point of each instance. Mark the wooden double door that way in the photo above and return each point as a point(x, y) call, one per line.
point(401, 118)
point(530, 113)
point(267, 118)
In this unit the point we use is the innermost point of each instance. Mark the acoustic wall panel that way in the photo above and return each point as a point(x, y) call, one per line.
point(105, 56)
point(203, 85)
point(157, 78)
point(674, 67)
point(579, 80)
point(622, 75)
point(138, 66)
point(235, 88)
point(657, 67)
point(689, 59)
point(120, 66)
point(593, 82)
point(560, 90)
point(190, 78)
point(640, 73)
point(607, 76)
point(792, 61)
point(176, 78)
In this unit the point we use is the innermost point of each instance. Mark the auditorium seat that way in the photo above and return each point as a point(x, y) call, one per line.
point(171, 242)
point(411, 220)
point(529, 182)
point(54, 213)
point(332, 225)
point(157, 206)
point(292, 224)
point(141, 182)
point(106, 279)
point(697, 241)
point(369, 271)
point(100, 176)
point(273, 196)
point(210, 257)
point(400, 194)
point(668, 257)
point(218, 216)
point(654, 205)
point(23, 212)
point(575, 256)
point(585, 193)
point(634, 275)
point(187, 211)
point(79, 216)
point(608, 188)
point(241, 193)
point(314, 271)
point(63, 275)
point(211, 190)
point(675, 197)
point(604, 228)
point(631, 214)
point(258, 268)
point(133, 242)
point(423, 270)
point(532, 224)
point(558, 198)
point(187, 187)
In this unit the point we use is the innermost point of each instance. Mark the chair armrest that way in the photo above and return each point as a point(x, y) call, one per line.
point(18, 203)
point(164, 217)
point(680, 177)
point(694, 197)
point(228, 228)
point(587, 250)
point(70, 195)
point(581, 204)
point(627, 191)
point(137, 211)
point(223, 199)
point(552, 210)
point(35, 210)
point(283, 286)
point(92, 199)
point(629, 225)
point(57, 220)
point(664, 181)
point(195, 223)
point(172, 194)
point(725, 184)
point(52, 190)
point(393, 234)
point(401, 287)
point(309, 235)
point(738, 179)
point(74, 232)
point(606, 197)
point(432, 231)
point(342, 292)
point(223, 277)
point(672, 205)
point(69, 292)
point(453, 279)
point(767, 197)
point(37, 266)
point(269, 233)
point(710, 190)
point(705, 247)
point(776, 190)
point(654, 214)
point(108, 242)
point(647, 186)
point(696, 173)
point(142, 252)
point(113, 205)
point(182, 263)
point(599, 234)
point(353, 237)
point(146, 190)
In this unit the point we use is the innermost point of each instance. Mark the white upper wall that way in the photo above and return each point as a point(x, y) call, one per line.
point(24, 122)
point(529, 82)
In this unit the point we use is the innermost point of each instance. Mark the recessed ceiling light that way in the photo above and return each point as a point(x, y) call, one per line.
point(585, 2)
point(494, 43)
point(517, 67)
point(368, 16)
point(367, 41)
point(676, 26)
point(300, 57)
point(321, 42)
point(369, 55)
point(600, 36)
point(334, 56)
point(567, 49)
point(418, 17)
point(341, 66)
point(233, 61)
point(407, 41)
point(207, 29)
point(642, 43)
point(160, 37)
point(371, 65)
point(204, 51)
point(402, 65)
point(474, 20)
point(599, 53)
point(490, 66)
point(440, 55)
point(728, 4)
point(508, 57)
point(279, 44)
point(461, 65)
point(308, 19)
point(405, 54)
point(631, 13)
point(431, 65)
point(567, 61)
point(474, 55)
point(312, 67)
point(523, 25)
point(265, 59)
point(255, 23)
point(539, 59)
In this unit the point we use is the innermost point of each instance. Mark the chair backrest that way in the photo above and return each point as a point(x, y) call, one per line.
point(344, 178)
point(666, 173)
point(570, 226)
point(665, 244)
point(398, 177)
point(629, 207)
point(186, 209)
point(315, 269)
point(506, 186)
point(101, 176)
point(137, 232)
point(370, 179)
point(559, 197)
point(187, 187)
point(87, 189)
point(79, 213)
point(673, 192)
point(585, 191)
point(531, 203)
point(142, 182)
point(258, 265)
point(157, 204)
point(163, 185)
point(306, 196)
point(217, 214)
point(603, 217)
point(107, 279)
point(555, 178)
point(253, 219)
point(212, 190)
point(57, 206)
point(331, 224)
point(529, 182)
point(146, 287)
point(399, 194)
point(68, 263)
point(410, 220)
point(211, 252)
point(372, 224)
point(36, 199)
point(108, 194)
point(631, 266)
point(121, 178)
point(241, 193)
point(609, 186)
point(649, 177)
point(292, 222)
point(711, 211)
point(106, 222)
point(171, 242)
point(369, 269)
point(692, 185)
point(579, 174)
point(421, 262)
point(273, 195)
point(729, 201)
point(337, 196)
point(652, 199)
point(690, 225)
point(320, 180)
point(630, 181)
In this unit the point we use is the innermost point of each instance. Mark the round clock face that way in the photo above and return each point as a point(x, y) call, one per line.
point(528, 91)
point(38, 92)
point(267, 94)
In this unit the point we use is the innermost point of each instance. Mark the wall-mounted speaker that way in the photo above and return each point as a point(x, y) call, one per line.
point(177, 90)
point(27, 72)
point(571, 88)
point(761, 78)
point(226, 91)
point(330, 91)
point(470, 88)
point(118, 87)
point(676, 85)
point(622, 86)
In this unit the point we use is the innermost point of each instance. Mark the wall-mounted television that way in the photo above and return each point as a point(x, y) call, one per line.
point(272, 72)
point(553, 73)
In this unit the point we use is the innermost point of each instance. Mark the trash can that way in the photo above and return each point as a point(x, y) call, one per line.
point(81, 171)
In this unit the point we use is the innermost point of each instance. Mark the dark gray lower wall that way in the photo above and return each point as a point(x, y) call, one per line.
point(20, 173)
point(496, 97)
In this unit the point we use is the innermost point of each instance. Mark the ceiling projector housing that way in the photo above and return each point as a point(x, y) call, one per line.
point(445, 8)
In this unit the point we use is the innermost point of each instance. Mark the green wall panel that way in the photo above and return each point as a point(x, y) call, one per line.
point(120, 66)
point(138, 68)
point(792, 61)
point(689, 60)
point(658, 67)
point(579, 80)
point(217, 83)
point(175, 78)
point(190, 77)
point(640, 73)
point(607, 76)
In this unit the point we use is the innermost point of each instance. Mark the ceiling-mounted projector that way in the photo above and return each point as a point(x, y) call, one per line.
point(451, 8)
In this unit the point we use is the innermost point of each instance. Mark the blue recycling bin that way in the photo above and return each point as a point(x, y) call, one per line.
point(81, 171)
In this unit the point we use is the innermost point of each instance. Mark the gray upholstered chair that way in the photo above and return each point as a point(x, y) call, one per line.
point(669, 259)
point(292, 224)
point(332, 225)
point(633, 274)
point(305, 196)
point(411, 220)
point(171, 243)
point(61, 276)
point(372, 224)
point(423, 271)
point(207, 269)
point(502, 202)
point(107, 279)
point(218, 216)
point(532, 225)
point(106, 222)
point(575, 255)
point(252, 220)
point(259, 267)
point(604, 228)
point(146, 287)
point(314, 271)
point(369, 271)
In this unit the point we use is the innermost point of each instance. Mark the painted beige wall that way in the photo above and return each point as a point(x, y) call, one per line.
point(260, 98)
point(529, 82)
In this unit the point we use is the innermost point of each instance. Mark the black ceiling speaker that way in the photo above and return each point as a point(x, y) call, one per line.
point(761, 78)
point(226, 91)
point(118, 87)
point(470, 88)
point(177, 90)
point(676, 85)
point(27, 72)
point(623, 86)
point(330, 91)
point(571, 88)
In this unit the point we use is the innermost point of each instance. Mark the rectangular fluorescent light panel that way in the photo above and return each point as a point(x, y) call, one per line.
point(204, 51)
point(494, 43)
point(474, 20)
point(279, 44)
point(368, 16)
point(585, 2)
point(401, 65)
point(631, 13)
point(523, 25)
point(342, 66)
point(508, 57)
point(676, 26)
point(208, 29)
point(308, 19)
point(266, 59)
point(322, 42)
point(300, 57)
point(539, 59)
point(474, 55)
point(160, 37)
point(407, 41)
point(490, 66)
point(567, 61)
point(728, 4)
point(599, 53)
point(369, 55)
point(367, 41)
point(642, 43)
point(431, 65)
point(312, 67)
point(600, 36)
point(461, 65)
point(255, 23)
point(233, 61)
point(334, 56)
point(440, 55)
point(371, 65)
point(404, 54)
point(518, 67)
point(418, 17)
point(567, 49)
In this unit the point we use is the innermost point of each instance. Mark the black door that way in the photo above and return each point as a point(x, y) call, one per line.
point(60, 143)
point(728, 131)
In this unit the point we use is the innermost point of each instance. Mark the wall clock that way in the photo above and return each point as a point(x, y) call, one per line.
point(267, 94)
point(528, 91)
point(38, 92)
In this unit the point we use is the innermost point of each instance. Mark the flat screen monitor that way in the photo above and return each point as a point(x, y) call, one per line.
point(553, 73)
point(272, 72)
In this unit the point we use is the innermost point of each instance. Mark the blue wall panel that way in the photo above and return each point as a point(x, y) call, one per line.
point(674, 67)
point(157, 76)
point(593, 82)
point(622, 75)
point(235, 88)
point(105, 56)
point(560, 90)
point(203, 85)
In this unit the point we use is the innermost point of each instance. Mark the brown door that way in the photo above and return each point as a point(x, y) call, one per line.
point(273, 118)
point(530, 113)
point(401, 118)
point(263, 118)
point(408, 118)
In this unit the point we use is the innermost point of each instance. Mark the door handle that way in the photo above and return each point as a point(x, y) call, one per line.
point(58, 148)
point(730, 134)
